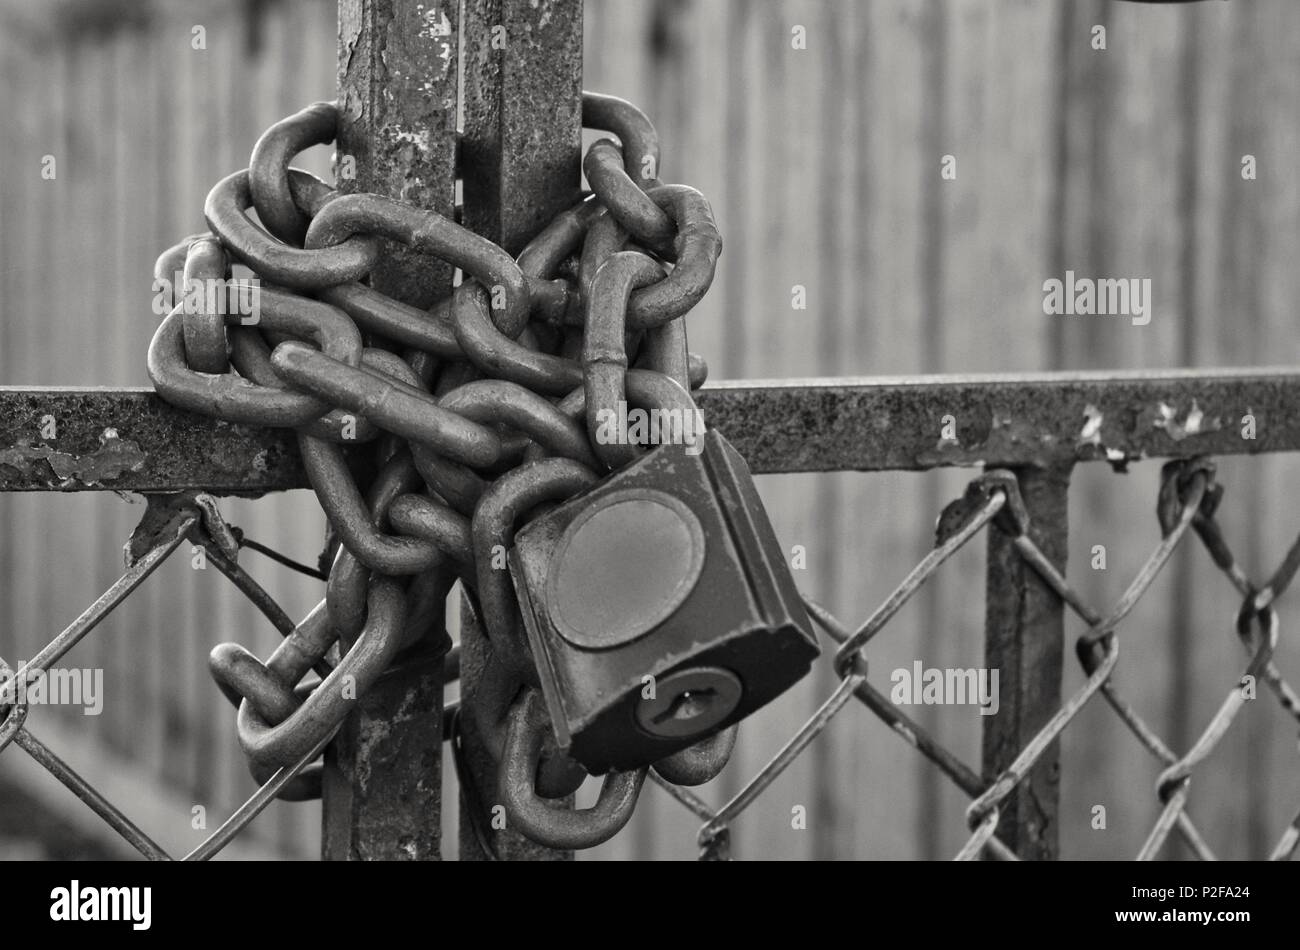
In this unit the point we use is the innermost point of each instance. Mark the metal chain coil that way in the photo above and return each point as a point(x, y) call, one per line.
point(490, 410)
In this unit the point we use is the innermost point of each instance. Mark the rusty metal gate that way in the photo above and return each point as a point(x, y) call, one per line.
point(1025, 434)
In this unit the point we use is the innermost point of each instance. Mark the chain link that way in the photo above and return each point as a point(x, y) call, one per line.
point(489, 412)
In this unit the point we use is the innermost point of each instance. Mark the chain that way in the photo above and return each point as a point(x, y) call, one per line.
point(478, 410)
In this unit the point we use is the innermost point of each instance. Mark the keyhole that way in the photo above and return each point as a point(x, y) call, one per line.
point(687, 705)
point(689, 702)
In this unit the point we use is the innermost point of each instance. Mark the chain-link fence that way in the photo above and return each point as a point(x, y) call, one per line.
point(1189, 500)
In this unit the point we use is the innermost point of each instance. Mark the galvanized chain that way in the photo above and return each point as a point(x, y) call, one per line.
point(482, 409)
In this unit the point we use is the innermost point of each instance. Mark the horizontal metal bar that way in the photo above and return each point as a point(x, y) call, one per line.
point(1041, 419)
point(129, 440)
point(67, 439)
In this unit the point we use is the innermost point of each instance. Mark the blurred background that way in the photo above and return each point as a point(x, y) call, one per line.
point(823, 169)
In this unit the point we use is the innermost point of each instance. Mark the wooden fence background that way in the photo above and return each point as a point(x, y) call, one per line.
point(823, 166)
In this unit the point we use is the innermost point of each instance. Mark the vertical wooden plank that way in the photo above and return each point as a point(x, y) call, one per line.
point(20, 165)
point(1200, 603)
point(162, 679)
point(1082, 92)
point(932, 274)
point(964, 311)
point(1271, 749)
point(1254, 319)
point(992, 231)
point(869, 529)
point(1194, 617)
point(205, 70)
point(835, 813)
point(101, 293)
point(803, 118)
point(143, 229)
point(10, 221)
point(890, 246)
point(191, 72)
point(1152, 108)
point(1162, 638)
point(55, 350)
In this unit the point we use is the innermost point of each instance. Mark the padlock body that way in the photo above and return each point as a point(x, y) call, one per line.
point(659, 606)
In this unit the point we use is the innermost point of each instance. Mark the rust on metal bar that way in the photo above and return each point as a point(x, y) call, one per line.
point(814, 425)
point(523, 115)
point(1024, 623)
point(522, 151)
point(92, 439)
point(398, 92)
point(891, 424)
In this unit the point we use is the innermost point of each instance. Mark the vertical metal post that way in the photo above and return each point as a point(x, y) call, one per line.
point(522, 154)
point(1023, 640)
point(397, 85)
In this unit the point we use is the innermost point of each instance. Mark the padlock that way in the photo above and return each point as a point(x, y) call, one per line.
point(659, 606)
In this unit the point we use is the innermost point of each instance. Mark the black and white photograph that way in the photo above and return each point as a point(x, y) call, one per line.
point(587, 431)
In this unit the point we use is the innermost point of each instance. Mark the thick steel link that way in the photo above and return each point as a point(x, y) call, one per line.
point(604, 350)
point(169, 270)
point(268, 168)
point(273, 261)
point(638, 214)
point(251, 356)
point(498, 512)
point(496, 354)
point(348, 216)
point(395, 406)
point(430, 331)
point(238, 400)
point(701, 762)
point(324, 710)
point(206, 272)
point(481, 420)
point(696, 249)
point(560, 828)
point(637, 134)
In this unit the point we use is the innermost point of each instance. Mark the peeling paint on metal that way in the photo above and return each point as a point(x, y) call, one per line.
point(111, 460)
point(436, 23)
point(1195, 422)
point(419, 139)
point(795, 426)
point(544, 12)
point(1091, 433)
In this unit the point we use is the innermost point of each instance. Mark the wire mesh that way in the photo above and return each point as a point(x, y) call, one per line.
point(1188, 500)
